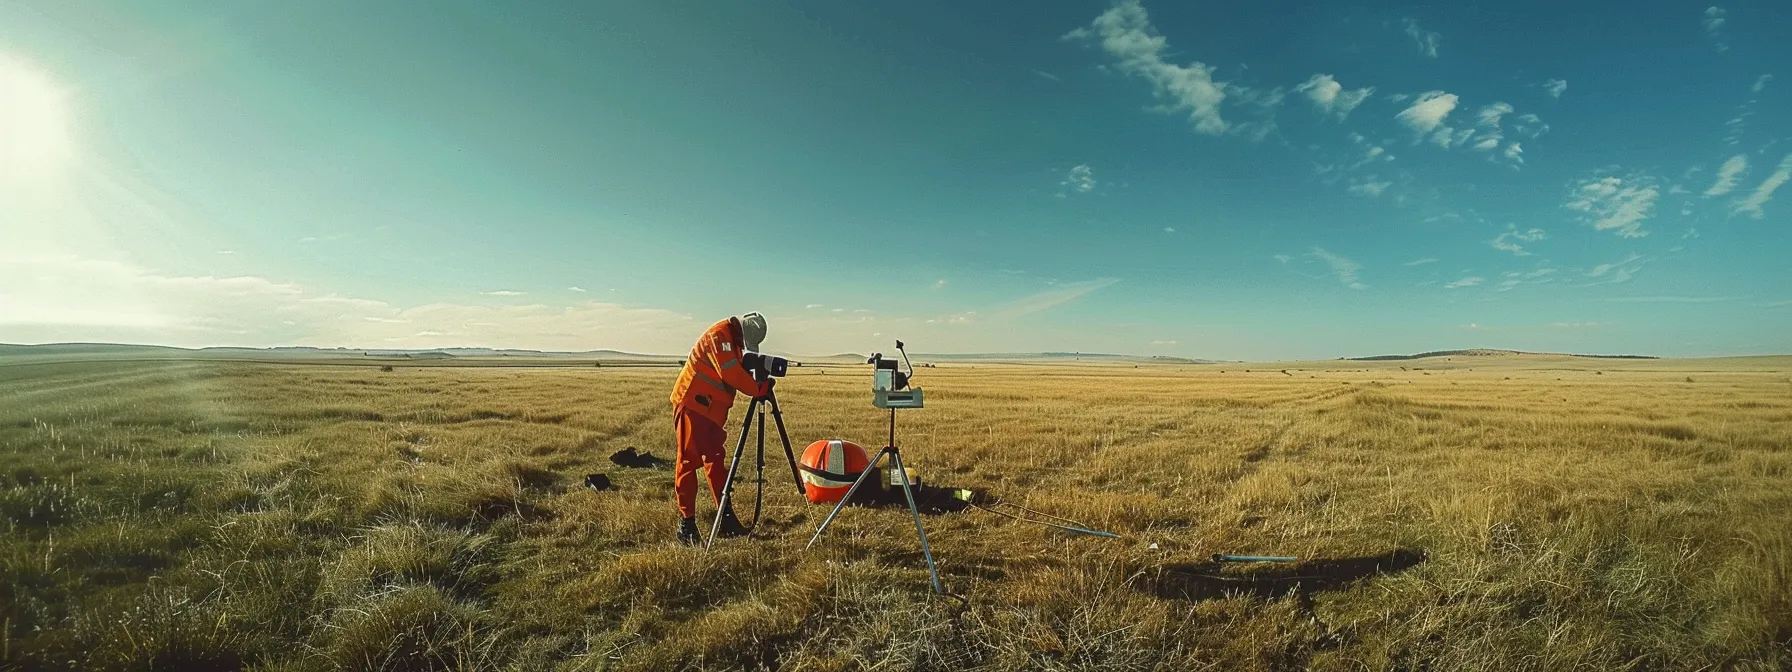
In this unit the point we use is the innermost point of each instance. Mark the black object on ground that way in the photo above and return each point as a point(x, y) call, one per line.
point(627, 457)
point(1197, 582)
point(930, 500)
point(598, 482)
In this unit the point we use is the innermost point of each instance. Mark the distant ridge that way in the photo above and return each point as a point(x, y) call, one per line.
point(1485, 352)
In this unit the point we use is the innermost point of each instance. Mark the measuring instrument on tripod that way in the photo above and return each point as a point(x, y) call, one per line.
point(766, 369)
point(890, 390)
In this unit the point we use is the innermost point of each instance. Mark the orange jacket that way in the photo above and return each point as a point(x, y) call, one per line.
point(713, 372)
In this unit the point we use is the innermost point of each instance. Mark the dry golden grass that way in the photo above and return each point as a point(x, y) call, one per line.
point(1479, 513)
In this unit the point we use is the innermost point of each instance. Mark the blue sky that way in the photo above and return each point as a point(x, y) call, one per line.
point(1225, 180)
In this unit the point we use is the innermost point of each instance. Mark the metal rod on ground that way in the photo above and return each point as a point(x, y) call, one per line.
point(1067, 528)
point(1221, 557)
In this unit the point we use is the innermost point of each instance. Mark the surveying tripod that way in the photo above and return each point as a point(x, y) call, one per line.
point(895, 454)
point(740, 446)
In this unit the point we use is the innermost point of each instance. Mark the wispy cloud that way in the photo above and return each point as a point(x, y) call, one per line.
point(1675, 299)
point(1714, 24)
point(1047, 75)
point(1529, 125)
point(1427, 111)
point(813, 306)
point(939, 284)
point(1169, 229)
point(1283, 258)
point(1345, 269)
point(1163, 342)
point(503, 292)
point(1727, 175)
point(1618, 271)
point(1369, 187)
point(1469, 281)
point(1761, 83)
point(1080, 179)
point(1752, 206)
point(1421, 262)
point(1047, 300)
point(1556, 87)
point(1514, 153)
point(575, 289)
point(1509, 241)
point(1616, 204)
point(1427, 40)
point(1512, 279)
point(1125, 31)
point(1331, 98)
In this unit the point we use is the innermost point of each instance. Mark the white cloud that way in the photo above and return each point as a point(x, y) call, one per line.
point(1616, 204)
point(939, 284)
point(1764, 192)
point(1617, 271)
point(1080, 179)
point(1169, 229)
point(1427, 40)
point(1331, 98)
point(1728, 174)
point(1509, 241)
point(1761, 83)
point(1345, 269)
point(1530, 125)
point(1369, 187)
point(1047, 75)
point(1283, 258)
point(813, 306)
point(1428, 111)
point(1491, 114)
point(575, 289)
point(1556, 87)
point(1714, 23)
point(1125, 31)
point(1421, 262)
point(1514, 153)
point(1163, 342)
point(503, 292)
point(1469, 281)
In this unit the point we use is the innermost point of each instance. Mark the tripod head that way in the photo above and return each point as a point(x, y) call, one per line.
point(890, 385)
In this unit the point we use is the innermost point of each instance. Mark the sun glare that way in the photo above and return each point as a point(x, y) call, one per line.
point(35, 138)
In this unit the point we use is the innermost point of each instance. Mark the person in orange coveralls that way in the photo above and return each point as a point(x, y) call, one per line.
point(700, 403)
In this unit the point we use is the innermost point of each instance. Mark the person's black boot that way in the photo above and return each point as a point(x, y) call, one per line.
point(731, 526)
point(687, 532)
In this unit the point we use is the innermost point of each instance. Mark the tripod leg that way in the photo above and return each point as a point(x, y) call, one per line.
point(896, 461)
point(740, 446)
point(778, 417)
point(759, 474)
point(870, 469)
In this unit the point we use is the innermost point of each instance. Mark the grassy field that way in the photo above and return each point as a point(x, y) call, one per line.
point(1498, 513)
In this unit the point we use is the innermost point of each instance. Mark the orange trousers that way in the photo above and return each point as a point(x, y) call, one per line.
point(700, 443)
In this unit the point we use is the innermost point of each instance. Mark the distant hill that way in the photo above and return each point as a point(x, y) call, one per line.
point(1484, 352)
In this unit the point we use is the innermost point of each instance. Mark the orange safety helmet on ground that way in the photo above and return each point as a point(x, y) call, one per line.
point(829, 469)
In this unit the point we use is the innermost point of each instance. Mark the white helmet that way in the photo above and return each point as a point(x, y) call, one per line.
point(752, 330)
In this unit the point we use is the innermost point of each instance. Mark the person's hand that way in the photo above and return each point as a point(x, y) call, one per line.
point(765, 388)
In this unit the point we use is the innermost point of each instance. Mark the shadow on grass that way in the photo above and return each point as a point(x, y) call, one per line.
point(1196, 582)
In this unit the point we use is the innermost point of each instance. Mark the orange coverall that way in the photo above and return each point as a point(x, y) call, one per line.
point(700, 403)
